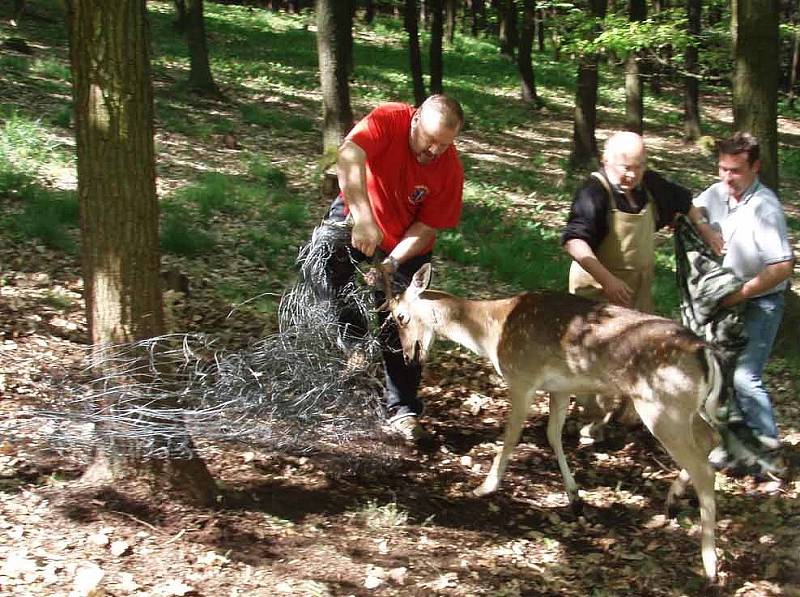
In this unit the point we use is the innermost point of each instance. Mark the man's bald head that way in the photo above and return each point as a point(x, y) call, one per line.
point(624, 158)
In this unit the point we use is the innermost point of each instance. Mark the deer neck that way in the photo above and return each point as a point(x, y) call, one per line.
point(475, 325)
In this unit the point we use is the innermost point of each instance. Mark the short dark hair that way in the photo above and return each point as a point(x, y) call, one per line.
point(449, 109)
point(738, 144)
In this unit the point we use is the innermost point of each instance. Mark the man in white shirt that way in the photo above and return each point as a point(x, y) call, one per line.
point(751, 232)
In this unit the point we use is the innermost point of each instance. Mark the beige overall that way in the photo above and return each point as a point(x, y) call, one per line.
point(627, 251)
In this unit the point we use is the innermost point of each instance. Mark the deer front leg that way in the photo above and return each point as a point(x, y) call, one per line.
point(520, 403)
point(555, 425)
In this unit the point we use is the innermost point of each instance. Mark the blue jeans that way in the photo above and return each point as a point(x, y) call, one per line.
point(762, 318)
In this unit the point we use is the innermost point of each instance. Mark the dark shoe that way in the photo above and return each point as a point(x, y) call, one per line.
point(410, 429)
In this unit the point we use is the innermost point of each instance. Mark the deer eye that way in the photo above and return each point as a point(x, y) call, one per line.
point(402, 319)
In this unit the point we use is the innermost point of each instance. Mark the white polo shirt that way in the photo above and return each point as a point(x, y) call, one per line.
point(754, 229)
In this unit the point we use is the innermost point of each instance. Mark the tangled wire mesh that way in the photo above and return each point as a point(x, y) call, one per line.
point(298, 389)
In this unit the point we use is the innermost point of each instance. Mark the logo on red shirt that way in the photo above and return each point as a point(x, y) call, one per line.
point(417, 196)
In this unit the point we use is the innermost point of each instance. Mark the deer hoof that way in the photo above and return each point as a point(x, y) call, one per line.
point(484, 489)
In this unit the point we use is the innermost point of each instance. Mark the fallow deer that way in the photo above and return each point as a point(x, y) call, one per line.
point(564, 345)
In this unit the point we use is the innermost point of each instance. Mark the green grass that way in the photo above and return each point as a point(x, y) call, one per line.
point(180, 236)
point(49, 216)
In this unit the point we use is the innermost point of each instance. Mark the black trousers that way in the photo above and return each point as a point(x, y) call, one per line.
point(401, 379)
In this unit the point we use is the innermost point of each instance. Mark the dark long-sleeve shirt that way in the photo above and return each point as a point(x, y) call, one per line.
point(588, 216)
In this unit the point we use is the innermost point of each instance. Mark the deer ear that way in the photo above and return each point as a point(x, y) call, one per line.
point(422, 278)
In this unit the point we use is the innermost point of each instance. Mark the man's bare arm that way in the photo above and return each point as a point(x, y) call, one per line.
point(352, 171)
point(615, 289)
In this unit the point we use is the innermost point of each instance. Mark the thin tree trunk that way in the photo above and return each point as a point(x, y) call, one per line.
point(181, 18)
point(634, 101)
point(369, 12)
point(794, 68)
point(113, 99)
point(450, 20)
point(414, 52)
point(436, 55)
point(524, 59)
point(755, 79)
point(584, 143)
point(691, 103)
point(540, 33)
point(478, 17)
point(200, 79)
point(507, 13)
point(334, 23)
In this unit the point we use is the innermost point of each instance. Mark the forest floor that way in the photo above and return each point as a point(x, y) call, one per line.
point(376, 519)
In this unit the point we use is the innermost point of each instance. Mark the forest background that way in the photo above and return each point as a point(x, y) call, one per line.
point(241, 162)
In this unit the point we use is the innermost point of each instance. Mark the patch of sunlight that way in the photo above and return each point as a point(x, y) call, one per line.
point(536, 552)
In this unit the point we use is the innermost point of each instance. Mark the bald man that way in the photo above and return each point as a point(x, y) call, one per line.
point(401, 182)
point(610, 235)
point(612, 223)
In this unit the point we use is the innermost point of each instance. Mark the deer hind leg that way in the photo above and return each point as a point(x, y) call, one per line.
point(688, 439)
point(520, 403)
point(559, 402)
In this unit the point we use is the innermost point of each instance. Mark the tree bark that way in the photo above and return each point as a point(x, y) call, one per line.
point(524, 59)
point(755, 79)
point(334, 24)
point(181, 18)
point(634, 96)
point(450, 20)
point(508, 26)
point(478, 17)
point(200, 78)
point(113, 99)
point(691, 83)
point(794, 67)
point(414, 52)
point(369, 12)
point(584, 143)
point(436, 54)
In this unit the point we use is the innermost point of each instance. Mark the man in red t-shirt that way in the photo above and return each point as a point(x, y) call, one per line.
point(401, 181)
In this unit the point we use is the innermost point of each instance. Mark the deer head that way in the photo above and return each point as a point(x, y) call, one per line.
point(415, 321)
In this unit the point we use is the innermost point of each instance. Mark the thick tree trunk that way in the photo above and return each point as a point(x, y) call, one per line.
point(524, 59)
point(414, 52)
point(755, 79)
point(691, 83)
point(436, 54)
point(334, 23)
point(113, 99)
point(634, 99)
point(584, 143)
point(200, 79)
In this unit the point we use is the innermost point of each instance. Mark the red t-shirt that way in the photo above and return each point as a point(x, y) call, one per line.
point(401, 190)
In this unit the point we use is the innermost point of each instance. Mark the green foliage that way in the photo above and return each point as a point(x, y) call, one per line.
point(215, 192)
point(180, 237)
point(49, 216)
point(789, 162)
point(267, 173)
point(521, 252)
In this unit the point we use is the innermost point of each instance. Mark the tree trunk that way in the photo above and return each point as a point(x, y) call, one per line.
point(113, 99)
point(540, 34)
point(414, 52)
point(634, 101)
point(436, 58)
point(524, 60)
point(334, 23)
point(691, 83)
point(794, 67)
point(450, 20)
point(508, 26)
point(755, 79)
point(478, 17)
point(369, 12)
point(584, 143)
point(200, 79)
point(181, 18)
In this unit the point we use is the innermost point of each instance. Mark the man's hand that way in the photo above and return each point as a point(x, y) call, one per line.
point(617, 291)
point(375, 275)
point(366, 236)
point(712, 238)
